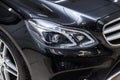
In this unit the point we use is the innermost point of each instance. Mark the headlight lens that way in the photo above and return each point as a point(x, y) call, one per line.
point(56, 36)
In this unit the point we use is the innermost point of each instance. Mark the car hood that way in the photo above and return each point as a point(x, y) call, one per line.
point(76, 11)
point(67, 11)
point(82, 5)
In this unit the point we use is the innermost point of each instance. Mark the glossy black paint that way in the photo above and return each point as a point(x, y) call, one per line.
point(58, 12)
point(76, 14)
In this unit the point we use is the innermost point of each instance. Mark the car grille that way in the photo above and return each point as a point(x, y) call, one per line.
point(111, 33)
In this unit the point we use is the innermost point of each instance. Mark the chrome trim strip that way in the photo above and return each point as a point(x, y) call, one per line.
point(115, 20)
point(113, 76)
point(112, 29)
point(113, 37)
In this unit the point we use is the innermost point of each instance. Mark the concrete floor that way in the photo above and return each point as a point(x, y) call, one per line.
point(38, 66)
point(117, 77)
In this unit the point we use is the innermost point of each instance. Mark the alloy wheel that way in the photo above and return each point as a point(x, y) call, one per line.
point(8, 66)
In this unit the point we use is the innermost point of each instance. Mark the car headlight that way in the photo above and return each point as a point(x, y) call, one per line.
point(57, 36)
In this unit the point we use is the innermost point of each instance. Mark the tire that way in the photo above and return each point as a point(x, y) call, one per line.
point(12, 65)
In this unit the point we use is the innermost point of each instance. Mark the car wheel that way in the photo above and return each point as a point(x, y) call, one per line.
point(12, 66)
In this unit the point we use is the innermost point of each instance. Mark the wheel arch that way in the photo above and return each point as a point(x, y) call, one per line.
point(18, 49)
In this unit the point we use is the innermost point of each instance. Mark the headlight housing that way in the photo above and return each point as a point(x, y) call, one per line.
point(56, 36)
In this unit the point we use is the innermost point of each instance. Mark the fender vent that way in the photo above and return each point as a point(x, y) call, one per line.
point(111, 33)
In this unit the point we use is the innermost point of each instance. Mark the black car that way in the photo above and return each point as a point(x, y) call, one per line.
point(59, 39)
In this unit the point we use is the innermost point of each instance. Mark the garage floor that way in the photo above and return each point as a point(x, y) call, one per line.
point(117, 77)
point(38, 67)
